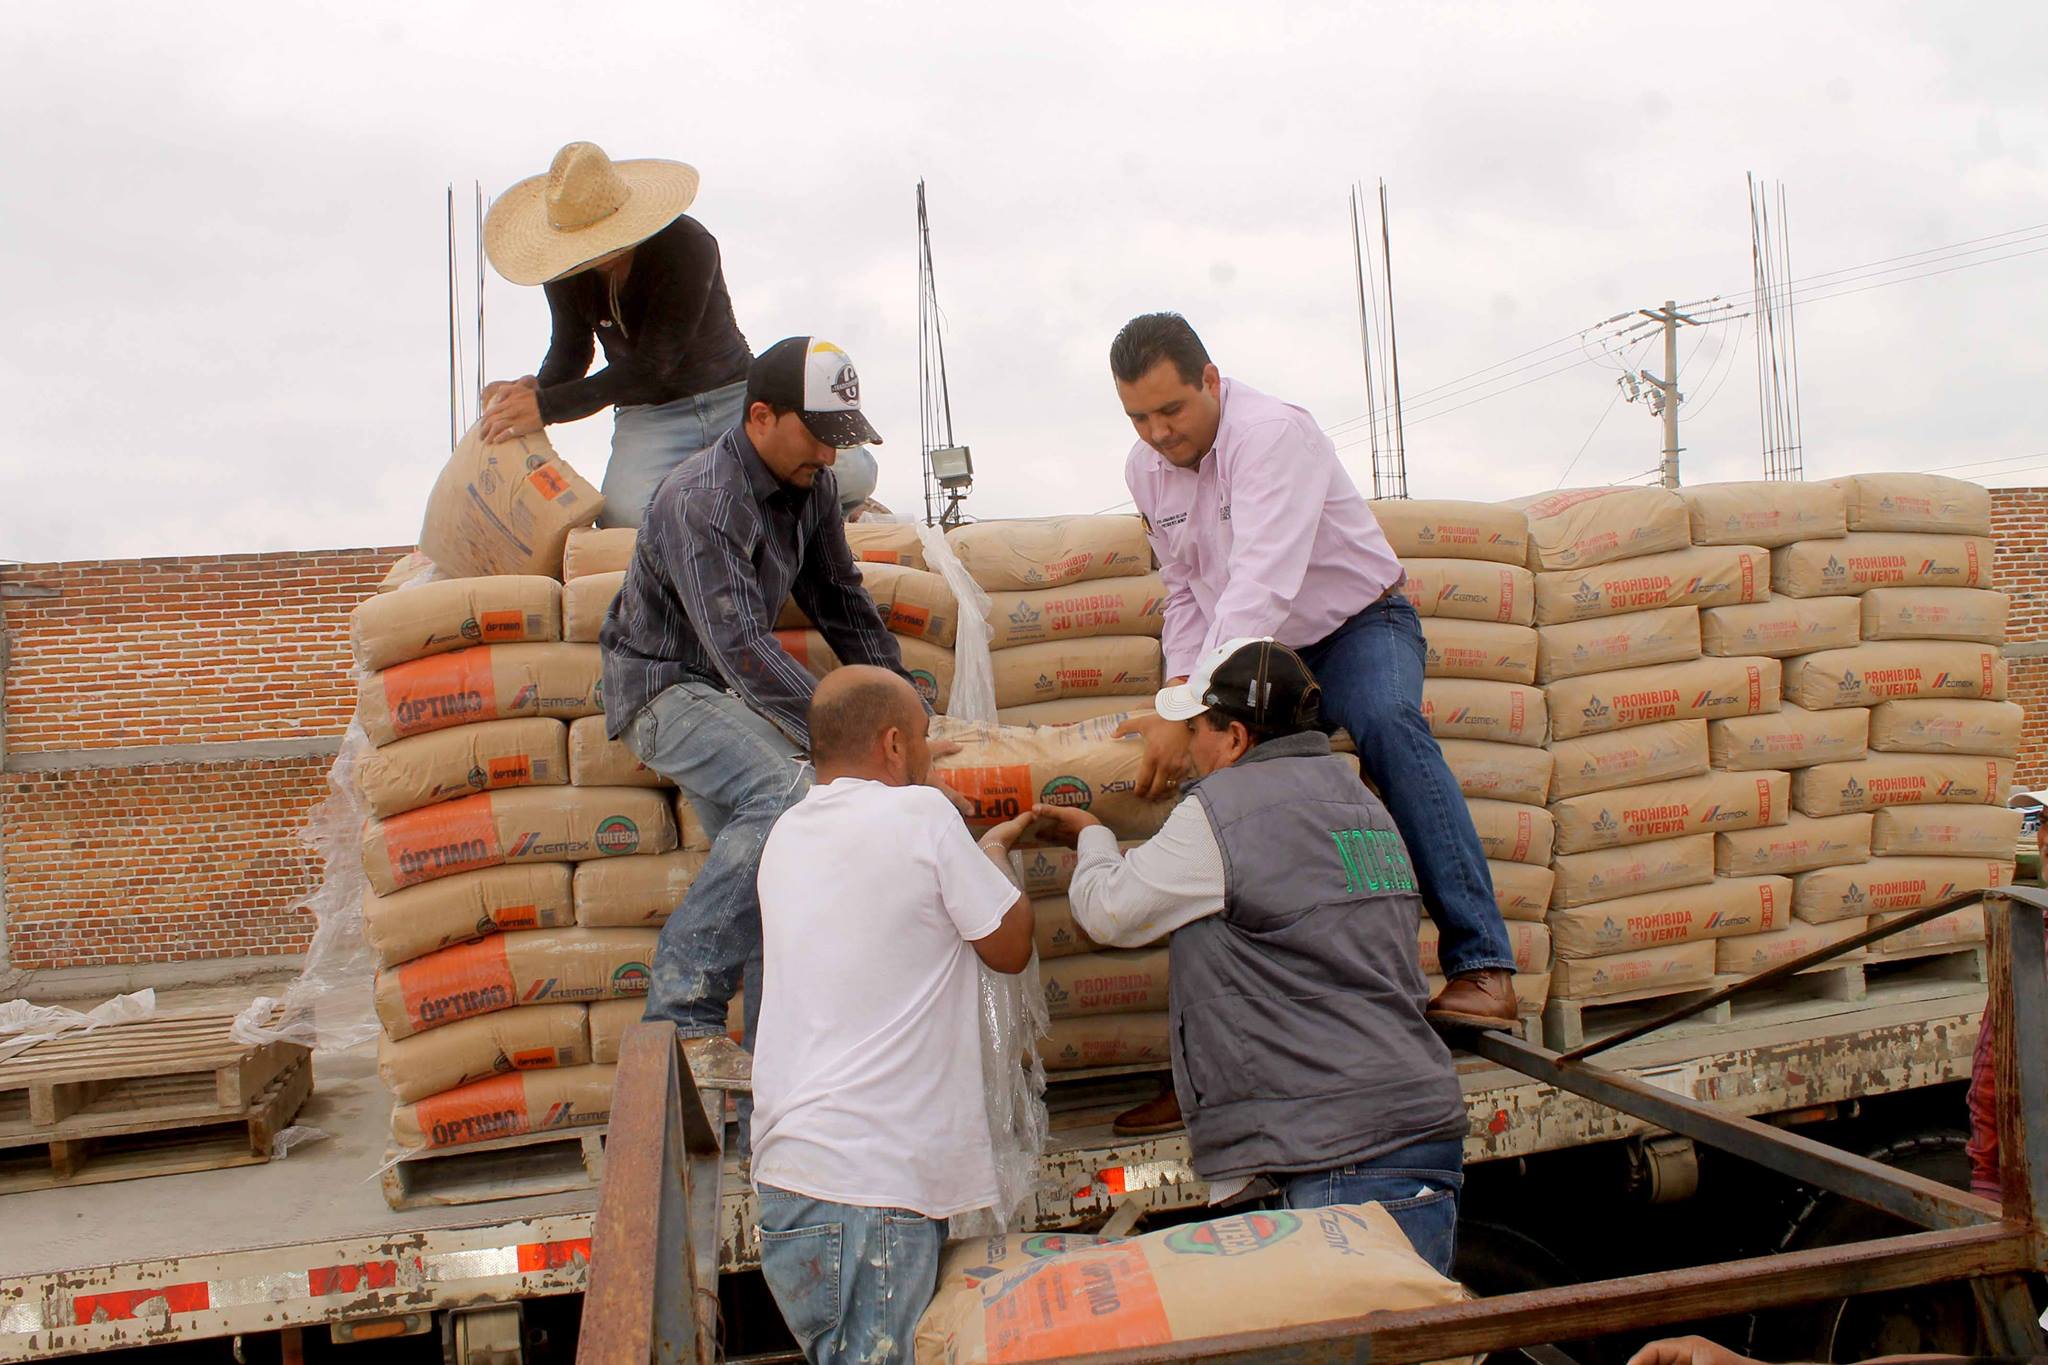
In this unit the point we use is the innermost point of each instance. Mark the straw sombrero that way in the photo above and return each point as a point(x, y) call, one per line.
point(586, 206)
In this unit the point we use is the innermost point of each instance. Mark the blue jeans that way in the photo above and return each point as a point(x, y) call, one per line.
point(851, 1282)
point(650, 439)
point(1419, 1185)
point(1370, 669)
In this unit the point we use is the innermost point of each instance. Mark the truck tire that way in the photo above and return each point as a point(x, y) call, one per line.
point(1495, 1259)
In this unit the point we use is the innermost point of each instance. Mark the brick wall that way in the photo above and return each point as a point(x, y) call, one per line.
point(2019, 521)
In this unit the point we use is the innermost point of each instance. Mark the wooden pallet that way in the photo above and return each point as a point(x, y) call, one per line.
point(1959, 962)
point(1568, 1023)
point(560, 1161)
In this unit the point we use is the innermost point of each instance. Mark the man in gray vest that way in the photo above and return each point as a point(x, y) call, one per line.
point(1303, 1064)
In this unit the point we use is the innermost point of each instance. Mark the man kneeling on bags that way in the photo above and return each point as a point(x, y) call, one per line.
point(1301, 1058)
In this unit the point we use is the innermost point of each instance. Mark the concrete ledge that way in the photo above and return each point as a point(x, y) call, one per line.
point(2025, 649)
point(150, 755)
point(94, 984)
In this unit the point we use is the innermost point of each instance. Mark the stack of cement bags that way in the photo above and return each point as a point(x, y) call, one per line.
point(1923, 696)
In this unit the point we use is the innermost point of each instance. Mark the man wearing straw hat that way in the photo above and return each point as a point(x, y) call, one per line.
point(626, 268)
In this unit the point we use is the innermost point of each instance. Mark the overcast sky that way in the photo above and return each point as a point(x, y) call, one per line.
point(225, 260)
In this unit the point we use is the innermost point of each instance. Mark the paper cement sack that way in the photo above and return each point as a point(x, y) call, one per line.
point(1004, 771)
point(1055, 932)
point(1879, 559)
point(1763, 512)
point(1893, 885)
point(1902, 780)
point(1648, 971)
point(1662, 752)
point(1107, 1040)
point(1015, 1298)
point(690, 831)
point(1633, 870)
point(521, 825)
point(592, 550)
point(1112, 981)
point(412, 567)
point(1964, 925)
point(1499, 772)
point(488, 682)
point(1759, 952)
point(440, 914)
point(1069, 710)
point(631, 893)
point(1710, 576)
point(913, 602)
point(1704, 689)
point(506, 1106)
point(504, 970)
point(1468, 708)
point(598, 761)
point(1790, 737)
point(444, 764)
point(1578, 528)
point(1945, 831)
point(1040, 872)
point(1721, 908)
point(1443, 528)
point(504, 508)
point(1947, 727)
point(885, 542)
point(531, 1039)
point(930, 667)
point(1529, 940)
point(1471, 589)
point(1512, 832)
point(1634, 639)
point(1868, 674)
point(1665, 810)
point(1049, 552)
point(585, 600)
point(1521, 890)
point(1915, 502)
point(1108, 666)
point(608, 1022)
point(1801, 844)
point(1974, 614)
point(1778, 626)
point(1478, 649)
point(454, 613)
point(1106, 606)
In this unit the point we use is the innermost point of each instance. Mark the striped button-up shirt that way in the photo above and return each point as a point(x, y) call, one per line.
point(723, 546)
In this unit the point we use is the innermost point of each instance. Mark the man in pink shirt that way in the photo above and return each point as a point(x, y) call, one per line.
point(1260, 532)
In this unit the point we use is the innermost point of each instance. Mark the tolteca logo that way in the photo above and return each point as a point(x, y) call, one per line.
point(1066, 790)
point(471, 630)
point(632, 978)
point(1237, 1236)
point(617, 834)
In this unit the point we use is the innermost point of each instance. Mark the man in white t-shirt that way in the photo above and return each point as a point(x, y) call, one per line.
point(869, 1124)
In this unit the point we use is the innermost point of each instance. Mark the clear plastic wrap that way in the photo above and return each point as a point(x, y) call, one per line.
point(1013, 1019)
point(974, 683)
point(23, 1025)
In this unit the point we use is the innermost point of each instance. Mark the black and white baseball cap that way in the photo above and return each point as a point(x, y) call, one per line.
point(816, 378)
point(1253, 680)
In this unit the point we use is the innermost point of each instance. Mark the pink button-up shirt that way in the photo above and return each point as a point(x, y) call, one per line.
point(1266, 536)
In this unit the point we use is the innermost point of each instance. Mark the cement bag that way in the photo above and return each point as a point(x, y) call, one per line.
point(1759, 952)
point(504, 970)
point(1711, 576)
point(1005, 771)
point(1894, 886)
point(1471, 590)
point(444, 764)
point(1943, 931)
point(1468, 708)
point(1578, 528)
point(490, 682)
point(930, 668)
point(1107, 1040)
point(690, 831)
point(632, 893)
point(423, 919)
point(1915, 502)
point(1040, 872)
point(1665, 810)
point(885, 542)
point(913, 602)
point(412, 567)
point(1791, 737)
point(1112, 981)
point(1530, 941)
point(1521, 890)
point(585, 601)
point(1512, 832)
point(1107, 606)
point(608, 1022)
point(522, 825)
point(1069, 710)
point(531, 1039)
point(590, 550)
point(1634, 639)
point(1050, 552)
point(1018, 1298)
point(1443, 528)
point(1055, 931)
point(506, 508)
point(1947, 727)
point(596, 760)
point(1801, 844)
point(506, 1106)
point(1639, 974)
point(1109, 666)
point(1705, 689)
point(1974, 614)
point(1880, 559)
point(1499, 772)
point(1478, 649)
point(1869, 674)
point(1945, 831)
point(1901, 780)
point(454, 613)
point(1778, 626)
point(1765, 512)
point(1719, 909)
point(809, 649)
point(1662, 752)
point(1531, 990)
point(1633, 870)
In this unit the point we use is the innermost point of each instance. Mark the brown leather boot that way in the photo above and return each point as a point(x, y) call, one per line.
point(1160, 1114)
point(1482, 999)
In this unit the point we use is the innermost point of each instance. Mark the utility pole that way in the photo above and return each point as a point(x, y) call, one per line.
point(1666, 388)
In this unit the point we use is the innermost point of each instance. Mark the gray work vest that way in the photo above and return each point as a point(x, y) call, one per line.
point(1298, 1038)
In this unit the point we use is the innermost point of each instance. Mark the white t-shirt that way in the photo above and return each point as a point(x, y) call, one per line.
point(867, 1068)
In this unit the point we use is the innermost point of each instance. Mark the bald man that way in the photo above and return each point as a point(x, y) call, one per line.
point(869, 1126)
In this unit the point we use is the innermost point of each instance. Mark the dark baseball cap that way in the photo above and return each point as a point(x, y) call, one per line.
point(817, 379)
point(1259, 682)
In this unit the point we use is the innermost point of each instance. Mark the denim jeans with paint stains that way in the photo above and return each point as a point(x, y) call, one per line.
point(1418, 1185)
point(851, 1281)
point(650, 439)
